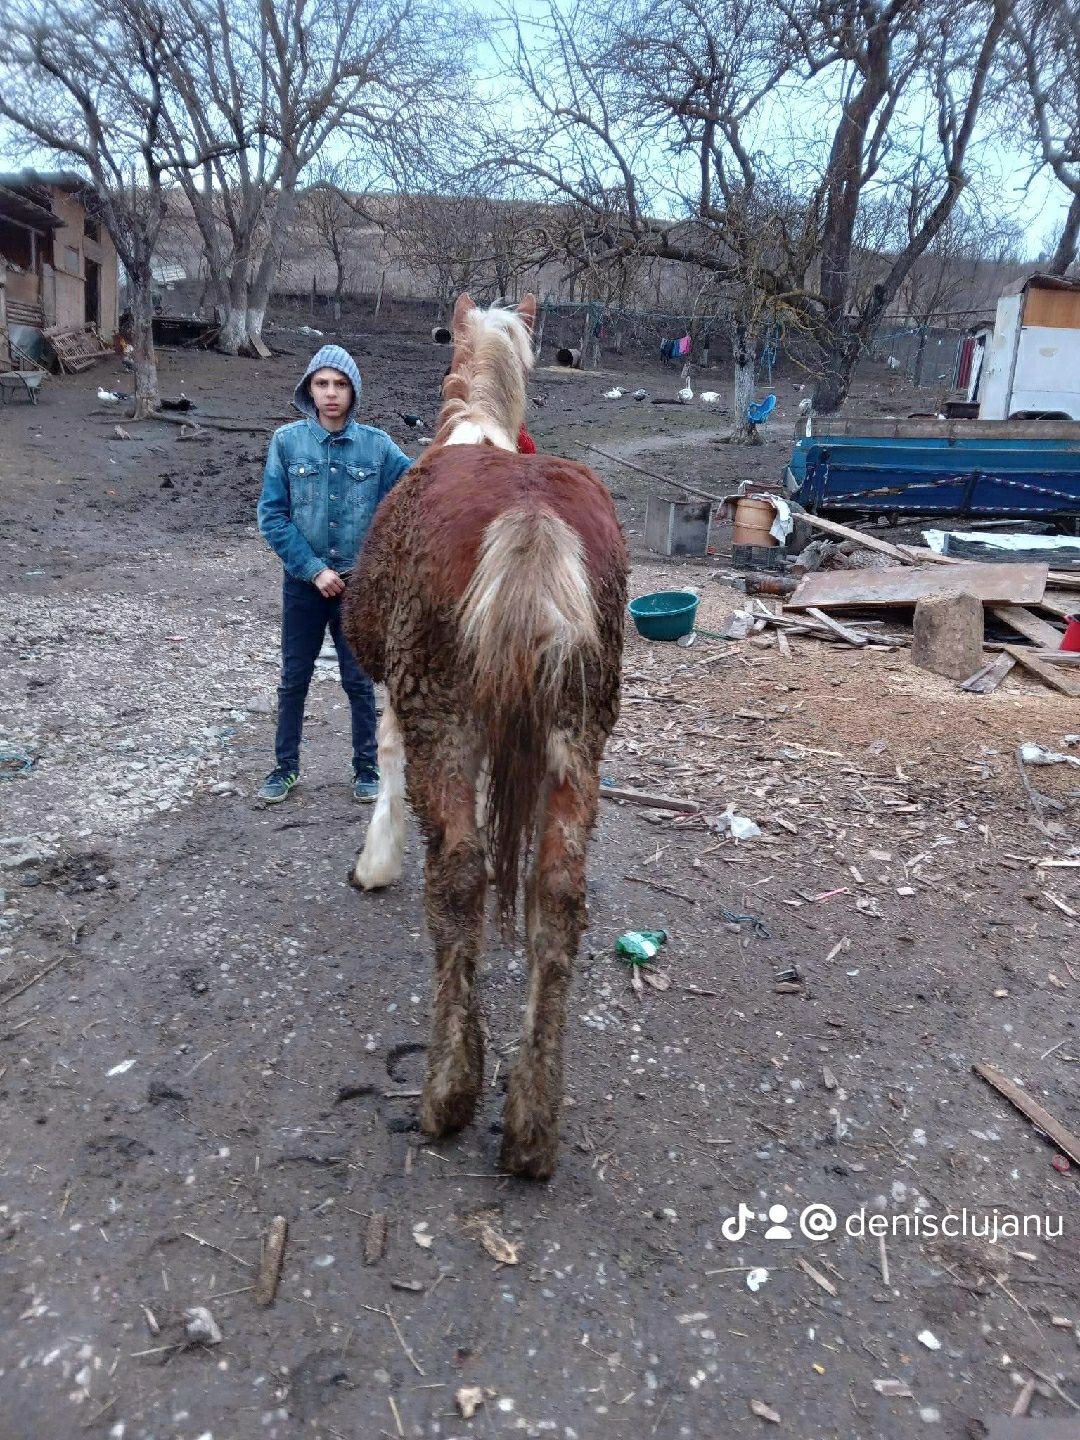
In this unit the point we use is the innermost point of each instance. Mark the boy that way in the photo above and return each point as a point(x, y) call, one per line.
point(324, 477)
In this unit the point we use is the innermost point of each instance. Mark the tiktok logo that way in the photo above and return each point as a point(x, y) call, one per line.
point(734, 1227)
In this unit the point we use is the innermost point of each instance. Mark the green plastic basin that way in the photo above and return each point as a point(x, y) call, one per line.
point(665, 614)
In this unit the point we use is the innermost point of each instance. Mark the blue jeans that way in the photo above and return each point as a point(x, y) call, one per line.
point(305, 615)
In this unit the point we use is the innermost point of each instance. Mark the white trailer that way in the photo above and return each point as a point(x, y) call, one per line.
point(1031, 362)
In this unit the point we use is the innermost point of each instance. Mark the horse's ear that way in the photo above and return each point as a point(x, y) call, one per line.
point(461, 308)
point(527, 311)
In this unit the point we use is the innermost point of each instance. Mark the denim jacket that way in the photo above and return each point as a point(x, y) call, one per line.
point(320, 491)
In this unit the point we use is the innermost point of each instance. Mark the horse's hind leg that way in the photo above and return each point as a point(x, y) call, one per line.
point(442, 786)
point(380, 861)
point(555, 916)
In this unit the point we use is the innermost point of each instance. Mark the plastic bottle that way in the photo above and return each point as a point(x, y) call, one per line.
point(640, 946)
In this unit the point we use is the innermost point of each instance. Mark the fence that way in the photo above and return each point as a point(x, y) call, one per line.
point(927, 356)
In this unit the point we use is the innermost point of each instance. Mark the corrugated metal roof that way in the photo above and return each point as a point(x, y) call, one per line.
point(62, 179)
point(26, 210)
point(1043, 282)
point(166, 273)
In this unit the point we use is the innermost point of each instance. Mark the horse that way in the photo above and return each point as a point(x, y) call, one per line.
point(489, 599)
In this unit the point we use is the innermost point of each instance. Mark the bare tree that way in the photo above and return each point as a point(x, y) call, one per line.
point(640, 123)
point(709, 134)
point(84, 81)
point(445, 240)
point(1045, 38)
point(278, 82)
point(336, 218)
point(949, 270)
point(463, 240)
point(937, 57)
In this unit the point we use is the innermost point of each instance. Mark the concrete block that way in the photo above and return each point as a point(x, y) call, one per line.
point(949, 634)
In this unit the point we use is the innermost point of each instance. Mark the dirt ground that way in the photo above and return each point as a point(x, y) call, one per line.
point(203, 1027)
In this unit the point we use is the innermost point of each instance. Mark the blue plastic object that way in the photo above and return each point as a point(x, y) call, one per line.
point(14, 763)
point(759, 412)
point(664, 614)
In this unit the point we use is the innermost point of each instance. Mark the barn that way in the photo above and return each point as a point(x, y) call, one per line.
point(58, 266)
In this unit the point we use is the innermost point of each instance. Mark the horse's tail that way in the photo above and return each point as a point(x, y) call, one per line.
point(528, 621)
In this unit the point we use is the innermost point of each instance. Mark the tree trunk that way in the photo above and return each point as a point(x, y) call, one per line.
point(234, 328)
point(1065, 254)
point(832, 385)
point(920, 354)
point(846, 337)
point(145, 360)
point(259, 296)
point(263, 283)
point(742, 432)
point(843, 194)
point(201, 200)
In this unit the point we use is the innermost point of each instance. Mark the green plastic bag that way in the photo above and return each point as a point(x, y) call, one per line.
point(639, 947)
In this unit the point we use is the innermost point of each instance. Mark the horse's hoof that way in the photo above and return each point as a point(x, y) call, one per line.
point(445, 1113)
point(365, 878)
point(533, 1156)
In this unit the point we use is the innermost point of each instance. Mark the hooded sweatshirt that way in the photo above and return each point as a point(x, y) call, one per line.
point(321, 487)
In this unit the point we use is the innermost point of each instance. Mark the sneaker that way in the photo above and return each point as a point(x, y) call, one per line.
point(365, 787)
point(276, 786)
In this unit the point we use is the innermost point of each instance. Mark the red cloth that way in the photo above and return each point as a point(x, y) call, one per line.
point(525, 443)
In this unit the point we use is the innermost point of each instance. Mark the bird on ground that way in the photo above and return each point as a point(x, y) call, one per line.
point(109, 397)
point(614, 394)
point(709, 397)
point(412, 421)
point(686, 394)
point(805, 406)
point(641, 394)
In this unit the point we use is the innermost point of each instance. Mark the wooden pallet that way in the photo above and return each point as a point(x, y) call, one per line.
point(77, 348)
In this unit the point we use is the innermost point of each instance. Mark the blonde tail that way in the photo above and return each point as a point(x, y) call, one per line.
point(527, 618)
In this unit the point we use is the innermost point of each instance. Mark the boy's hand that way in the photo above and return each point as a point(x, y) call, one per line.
point(328, 583)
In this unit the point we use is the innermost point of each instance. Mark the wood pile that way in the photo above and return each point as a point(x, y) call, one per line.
point(1030, 599)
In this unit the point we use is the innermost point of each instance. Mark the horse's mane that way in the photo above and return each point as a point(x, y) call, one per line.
point(484, 393)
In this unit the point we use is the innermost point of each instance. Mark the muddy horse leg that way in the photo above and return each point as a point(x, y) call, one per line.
point(442, 786)
point(555, 916)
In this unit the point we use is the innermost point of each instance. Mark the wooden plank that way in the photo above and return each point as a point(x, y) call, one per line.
point(923, 555)
point(1057, 657)
point(1046, 673)
point(993, 584)
point(1064, 1139)
point(907, 428)
point(1064, 606)
point(657, 802)
point(987, 679)
point(868, 542)
point(851, 637)
point(1038, 631)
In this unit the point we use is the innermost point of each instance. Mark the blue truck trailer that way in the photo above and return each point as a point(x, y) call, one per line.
point(993, 469)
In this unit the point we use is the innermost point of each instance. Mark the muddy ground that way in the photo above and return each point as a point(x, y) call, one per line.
point(202, 1026)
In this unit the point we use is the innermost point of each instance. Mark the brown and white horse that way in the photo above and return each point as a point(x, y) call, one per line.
point(489, 598)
